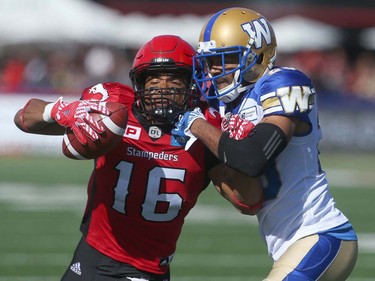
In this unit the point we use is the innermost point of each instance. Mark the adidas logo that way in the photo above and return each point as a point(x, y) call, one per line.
point(76, 268)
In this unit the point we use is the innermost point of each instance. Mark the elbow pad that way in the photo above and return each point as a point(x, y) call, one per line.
point(252, 154)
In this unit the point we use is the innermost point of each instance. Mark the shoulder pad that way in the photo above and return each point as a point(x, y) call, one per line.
point(285, 91)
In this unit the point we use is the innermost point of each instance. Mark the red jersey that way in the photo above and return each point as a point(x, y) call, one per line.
point(140, 193)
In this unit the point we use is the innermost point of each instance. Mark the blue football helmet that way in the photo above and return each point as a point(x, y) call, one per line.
point(235, 35)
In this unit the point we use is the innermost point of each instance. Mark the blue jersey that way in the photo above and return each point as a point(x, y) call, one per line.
point(297, 199)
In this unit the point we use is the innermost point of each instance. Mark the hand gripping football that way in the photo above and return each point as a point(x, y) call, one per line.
point(114, 127)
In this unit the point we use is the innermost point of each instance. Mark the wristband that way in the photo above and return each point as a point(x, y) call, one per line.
point(251, 208)
point(48, 110)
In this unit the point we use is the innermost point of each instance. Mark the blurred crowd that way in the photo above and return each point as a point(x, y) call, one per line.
point(337, 72)
point(61, 69)
point(69, 69)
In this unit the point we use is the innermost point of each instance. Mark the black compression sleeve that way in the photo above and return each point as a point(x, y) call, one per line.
point(252, 154)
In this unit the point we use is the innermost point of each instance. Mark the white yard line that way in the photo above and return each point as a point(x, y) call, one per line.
point(22, 197)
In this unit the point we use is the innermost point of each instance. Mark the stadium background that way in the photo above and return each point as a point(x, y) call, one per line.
point(52, 48)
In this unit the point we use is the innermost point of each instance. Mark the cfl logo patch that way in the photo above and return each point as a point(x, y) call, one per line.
point(154, 132)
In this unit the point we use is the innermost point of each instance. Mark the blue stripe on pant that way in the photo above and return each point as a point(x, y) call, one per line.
point(317, 260)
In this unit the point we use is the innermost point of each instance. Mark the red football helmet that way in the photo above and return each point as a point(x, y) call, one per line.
point(164, 55)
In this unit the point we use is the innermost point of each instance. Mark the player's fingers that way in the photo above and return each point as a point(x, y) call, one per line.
point(244, 130)
point(90, 132)
point(87, 130)
point(78, 133)
point(99, 108)
point(103, 109)
point(234, 121)
point(90, 121)
point(224, 124)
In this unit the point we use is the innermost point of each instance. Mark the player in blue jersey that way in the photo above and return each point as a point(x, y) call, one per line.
point(306, 235)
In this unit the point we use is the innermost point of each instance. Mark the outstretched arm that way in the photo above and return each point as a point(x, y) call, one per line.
point(30, 119)
point(41, 117)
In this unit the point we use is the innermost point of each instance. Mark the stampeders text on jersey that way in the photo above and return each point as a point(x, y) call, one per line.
point(131, 151)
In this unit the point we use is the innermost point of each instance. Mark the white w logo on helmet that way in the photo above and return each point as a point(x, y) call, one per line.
point(257, 30)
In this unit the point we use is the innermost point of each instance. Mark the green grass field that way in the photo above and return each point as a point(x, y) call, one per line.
point(42, 201)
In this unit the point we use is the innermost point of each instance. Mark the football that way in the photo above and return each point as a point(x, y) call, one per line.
point(114, 127)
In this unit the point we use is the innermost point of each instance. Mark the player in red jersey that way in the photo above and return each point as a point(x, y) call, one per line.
point(140, 193)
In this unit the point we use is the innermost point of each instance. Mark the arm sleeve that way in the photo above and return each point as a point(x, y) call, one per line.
point(252, 154)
